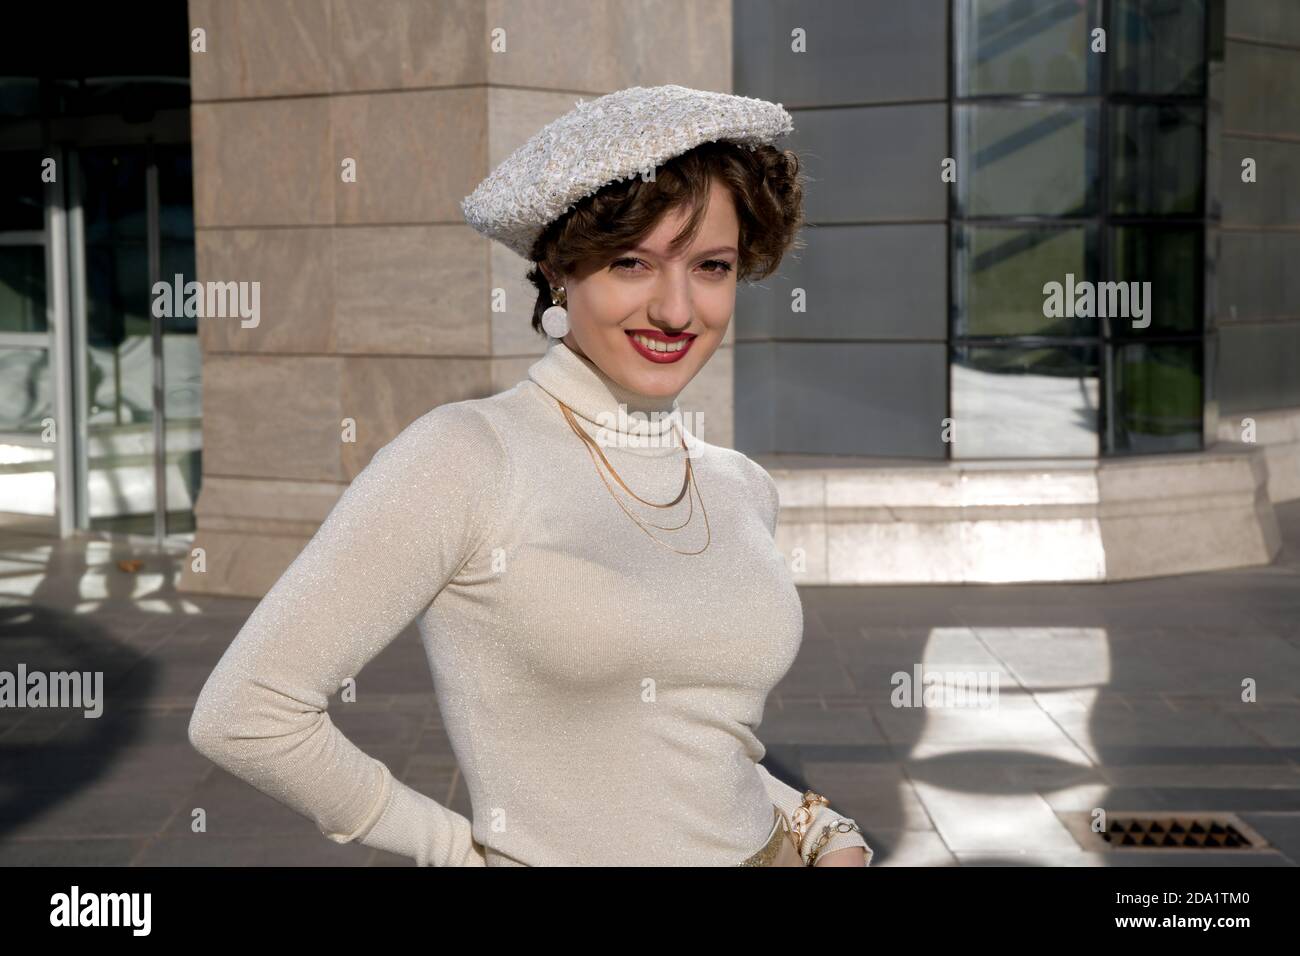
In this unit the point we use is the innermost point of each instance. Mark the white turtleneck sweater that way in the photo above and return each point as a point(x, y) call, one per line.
point(600, 691)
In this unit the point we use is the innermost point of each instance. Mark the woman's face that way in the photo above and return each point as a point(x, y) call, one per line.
point(682, 302)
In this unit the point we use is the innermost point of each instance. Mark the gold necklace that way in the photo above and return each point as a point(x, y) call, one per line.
point(593, 445)
point(593, 449)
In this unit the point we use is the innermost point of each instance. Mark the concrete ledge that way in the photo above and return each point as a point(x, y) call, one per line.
point(987, 521)
point(863, 521)
point(1277, 431)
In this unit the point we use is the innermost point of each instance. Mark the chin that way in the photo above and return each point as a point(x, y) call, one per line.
point(663, 384)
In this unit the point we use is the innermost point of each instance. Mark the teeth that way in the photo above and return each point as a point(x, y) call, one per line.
point(656, 346)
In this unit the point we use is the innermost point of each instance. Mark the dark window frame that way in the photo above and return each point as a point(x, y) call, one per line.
point(1109, 346)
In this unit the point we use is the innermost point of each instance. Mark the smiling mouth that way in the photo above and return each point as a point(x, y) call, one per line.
point(658, 347)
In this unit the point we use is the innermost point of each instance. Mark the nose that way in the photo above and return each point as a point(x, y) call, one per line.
point(670, 304)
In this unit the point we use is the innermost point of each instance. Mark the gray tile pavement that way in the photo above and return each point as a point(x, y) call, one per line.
point(1124, 696)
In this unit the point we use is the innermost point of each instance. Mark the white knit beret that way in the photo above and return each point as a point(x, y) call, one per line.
point(617, 136)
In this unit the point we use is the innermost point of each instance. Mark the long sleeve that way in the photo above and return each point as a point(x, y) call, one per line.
point(403, 528)
point(788, 799)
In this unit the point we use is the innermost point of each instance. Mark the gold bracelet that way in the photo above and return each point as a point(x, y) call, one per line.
point(839, 826)
point(802, 817)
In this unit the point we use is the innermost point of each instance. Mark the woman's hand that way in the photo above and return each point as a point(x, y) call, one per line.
point(849, 856)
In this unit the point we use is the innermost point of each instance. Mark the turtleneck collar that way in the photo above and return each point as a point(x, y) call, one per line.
point(595, 397)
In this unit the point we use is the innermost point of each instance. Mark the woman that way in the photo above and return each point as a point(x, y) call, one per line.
point(597, 589)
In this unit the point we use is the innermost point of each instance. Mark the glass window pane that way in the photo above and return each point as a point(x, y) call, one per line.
point(1012, 402)
point(175, 192)
point(1158, 46)
point(26, 390)
point(183, 392)
point(1169, 258)
point(1026, 159)
point(1157, 398)
point(22, 289)
point(1019, 46)
point(1158, 165)
point(183, 407)
point(22, 200)
point(27, 475)
point(113, 191)
point(117, 292)
point(177, 258)
point(135, 98)
point(20, 96)
point(999, 273)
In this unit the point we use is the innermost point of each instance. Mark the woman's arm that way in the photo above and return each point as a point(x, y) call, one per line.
point(783, 795)
point(403, 528)
point(789, 799)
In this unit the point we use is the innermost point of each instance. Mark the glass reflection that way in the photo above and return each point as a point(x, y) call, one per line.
point(26, 389)
point(22, 289)
point(1158, 46)
point(1022, 46)
point(1020, 401)
point(1157, 398)
point(119, 361)
point(27, 479)
point(1031, 159)
point(182, 357)
point(1157, 162)
point(22, 200)
point(1168, 257)
point(999, 274)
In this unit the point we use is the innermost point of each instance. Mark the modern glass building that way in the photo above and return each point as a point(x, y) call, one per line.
point(1045, 303)
point(99, 401)
point(1079, 131)
point(1078, 143)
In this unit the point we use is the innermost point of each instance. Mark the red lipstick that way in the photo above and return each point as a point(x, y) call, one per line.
point(673, 349)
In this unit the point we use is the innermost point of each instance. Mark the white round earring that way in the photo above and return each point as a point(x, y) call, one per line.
point(555, 320)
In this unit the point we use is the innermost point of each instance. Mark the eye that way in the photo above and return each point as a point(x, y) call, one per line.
point(627, 264)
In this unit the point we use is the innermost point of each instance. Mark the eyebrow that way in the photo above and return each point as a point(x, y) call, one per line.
point(706, 252)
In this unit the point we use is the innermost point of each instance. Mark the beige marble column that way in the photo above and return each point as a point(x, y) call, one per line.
point(376, 299)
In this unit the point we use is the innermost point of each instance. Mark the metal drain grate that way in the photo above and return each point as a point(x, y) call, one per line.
point(1177, 833)
point(1135, 831)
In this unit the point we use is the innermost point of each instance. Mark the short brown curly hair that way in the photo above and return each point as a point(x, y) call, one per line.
point(765, 183)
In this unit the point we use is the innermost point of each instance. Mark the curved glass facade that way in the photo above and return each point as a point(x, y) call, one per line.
point(1077, 227)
